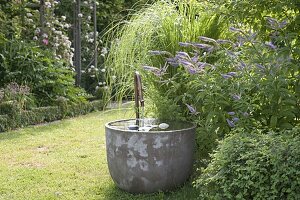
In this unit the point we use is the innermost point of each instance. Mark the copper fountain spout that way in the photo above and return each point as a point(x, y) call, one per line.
point(138, 91)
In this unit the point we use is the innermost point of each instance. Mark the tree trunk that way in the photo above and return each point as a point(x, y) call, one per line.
point(77, 43)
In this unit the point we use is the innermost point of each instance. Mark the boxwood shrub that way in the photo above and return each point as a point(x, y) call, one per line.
point(13, 118)
point(3, 122)
point(9, 108)
point(254, 166)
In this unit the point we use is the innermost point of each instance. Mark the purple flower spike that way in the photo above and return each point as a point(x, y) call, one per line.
point(206, 39)
point(201, 65)
point(230, 123)
point(231, 113)
point(282, 24)
point(184, 44)
point(202, 46)
point(272, 22)
point(243, 65)
point(233, 29)
point(236, 97)
point(275, 24)
point(270, 45)
point(192, 109)
point(260, 66)
point(226, 76)
point(195, 58)
point(154, 70)
point(192, 70)
point(235, 119)
point(173, 62)
point(182, 54)
point(186, 63)
point(231, 54)
point(232, 73)
point(210, 49)
point(223, 41)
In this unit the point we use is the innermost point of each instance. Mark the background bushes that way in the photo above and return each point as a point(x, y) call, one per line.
point(109, 11)
point(252, 165)
point(36, 70)
point(48, 78)
point(11, 118)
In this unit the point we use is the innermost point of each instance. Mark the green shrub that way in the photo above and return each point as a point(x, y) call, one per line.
point(252, 165)
point(108, 11)
point(256, 12)
point(25, 63)
point(46, 114)
point(96, 105)
point(19, 94)
point(13, 119)
point(10, 108)
point(4, 122)
point(73, 110)
point(223, 84)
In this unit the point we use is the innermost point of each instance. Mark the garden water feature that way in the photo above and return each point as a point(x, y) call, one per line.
point(147, 155)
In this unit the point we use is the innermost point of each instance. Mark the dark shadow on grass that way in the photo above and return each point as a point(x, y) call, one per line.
point(186, 192)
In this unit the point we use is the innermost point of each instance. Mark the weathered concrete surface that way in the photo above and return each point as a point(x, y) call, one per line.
point(145, 162)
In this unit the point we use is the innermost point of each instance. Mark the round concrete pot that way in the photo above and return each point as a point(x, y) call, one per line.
point(146, 162)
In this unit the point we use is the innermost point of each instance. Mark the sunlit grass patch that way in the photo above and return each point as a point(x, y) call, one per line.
point(66, 160)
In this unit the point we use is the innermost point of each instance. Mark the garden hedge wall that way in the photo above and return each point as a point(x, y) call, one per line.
point(11, 117)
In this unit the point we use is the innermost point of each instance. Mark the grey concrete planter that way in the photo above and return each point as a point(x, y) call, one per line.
point(145, 162)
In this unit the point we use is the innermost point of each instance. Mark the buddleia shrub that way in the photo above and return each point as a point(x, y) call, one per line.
point(252, 165)
point(223, 84)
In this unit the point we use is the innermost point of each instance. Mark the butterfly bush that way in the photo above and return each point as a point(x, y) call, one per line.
point(245, 82)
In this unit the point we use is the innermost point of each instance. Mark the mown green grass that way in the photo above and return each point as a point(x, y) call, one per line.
point(65, 160)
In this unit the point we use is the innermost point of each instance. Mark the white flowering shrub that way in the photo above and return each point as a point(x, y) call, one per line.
point(53, 33)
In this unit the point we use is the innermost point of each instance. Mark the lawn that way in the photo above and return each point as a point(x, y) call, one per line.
point(65, 160)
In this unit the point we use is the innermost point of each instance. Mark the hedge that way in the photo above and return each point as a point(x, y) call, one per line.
point(252, 165)
point(11, 117)
point(3, 122)
point(9, 108)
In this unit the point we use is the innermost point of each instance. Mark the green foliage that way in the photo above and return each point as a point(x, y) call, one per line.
point(166, 109)
point(48, 78)
point(252, 165)
point(18, 94)
point(12, 117)
point(246, 82)
point(108, 11)
point(160, 26)
point(116, 10)
point(42, 114)
point(82, 108)
point(4, 122)
point(254, 13)
point(10, 108)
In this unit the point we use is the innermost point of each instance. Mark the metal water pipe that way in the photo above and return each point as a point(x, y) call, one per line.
point(138, 93)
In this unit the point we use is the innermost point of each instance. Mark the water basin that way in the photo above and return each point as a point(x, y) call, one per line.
point(149, 161)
